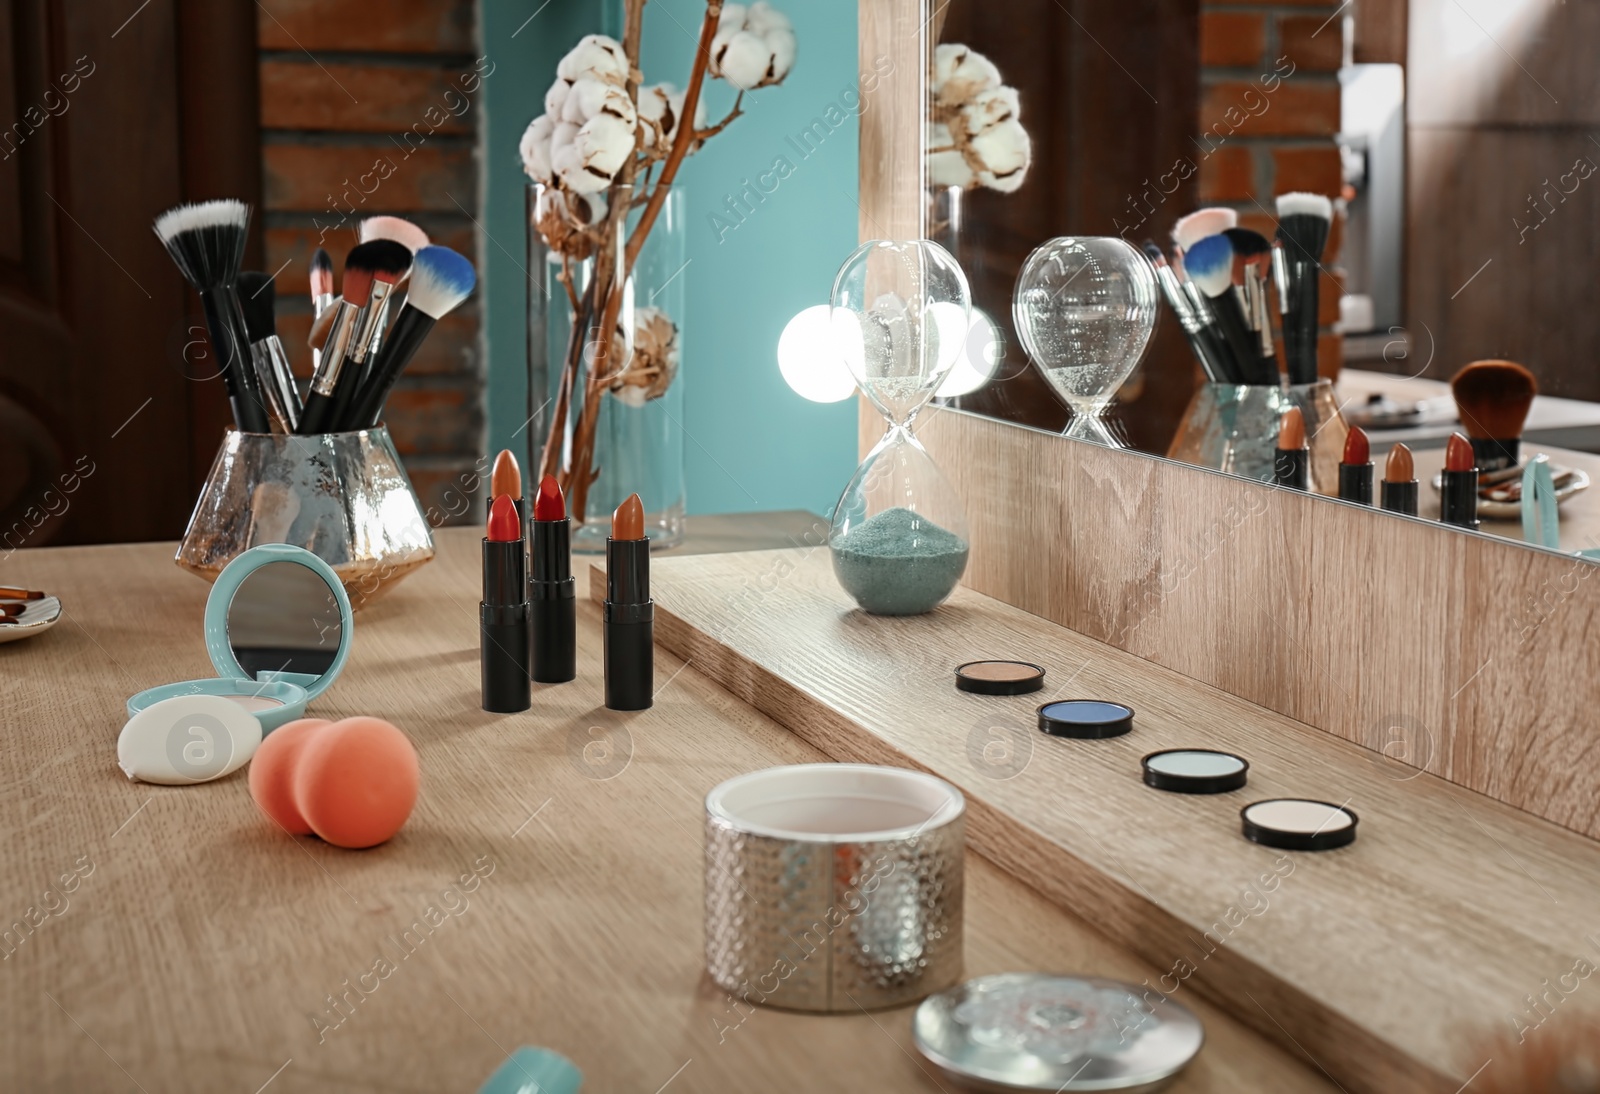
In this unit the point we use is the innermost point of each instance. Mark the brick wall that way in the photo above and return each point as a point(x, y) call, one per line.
point(1269, 112)
point(366, 110)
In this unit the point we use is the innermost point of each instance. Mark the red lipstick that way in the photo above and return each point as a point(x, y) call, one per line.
point(1398, 494)
point(1292, 466)
point(1458, 489)
point(503, 614)
point(1355, 468)
point(552, 597)
point(629, 613)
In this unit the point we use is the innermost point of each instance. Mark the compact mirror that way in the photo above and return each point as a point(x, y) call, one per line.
point(278, 628)
point(284, 618)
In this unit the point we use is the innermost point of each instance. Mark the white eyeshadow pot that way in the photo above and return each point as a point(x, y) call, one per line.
point(1298, 824)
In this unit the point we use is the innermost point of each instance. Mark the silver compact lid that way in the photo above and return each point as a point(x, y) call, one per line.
point(1032, 1031)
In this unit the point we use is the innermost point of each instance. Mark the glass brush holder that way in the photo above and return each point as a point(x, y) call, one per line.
point(900, 312)
point(1234, 428)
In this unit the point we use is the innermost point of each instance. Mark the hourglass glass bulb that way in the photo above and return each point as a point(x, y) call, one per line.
point(1085, 309)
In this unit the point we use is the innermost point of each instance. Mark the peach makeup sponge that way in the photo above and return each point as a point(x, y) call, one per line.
point(353, 783)
point(272, 773)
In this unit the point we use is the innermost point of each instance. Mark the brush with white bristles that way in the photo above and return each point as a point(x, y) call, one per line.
point(206, 241)
point(440, 280)
point(1209, 264)
point(1205, 222)
point(397, 230)
point(1197, 324)
point(1303, 224)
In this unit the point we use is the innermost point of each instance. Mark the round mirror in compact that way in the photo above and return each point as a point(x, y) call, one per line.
point(278, 628)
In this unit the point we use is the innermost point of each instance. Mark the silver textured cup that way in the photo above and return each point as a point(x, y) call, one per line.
point(834, 887)
point(344, 497)
point(1234, 428)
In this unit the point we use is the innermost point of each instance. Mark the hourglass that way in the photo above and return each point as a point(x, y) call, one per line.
point(1084, 309)
point(900, 314)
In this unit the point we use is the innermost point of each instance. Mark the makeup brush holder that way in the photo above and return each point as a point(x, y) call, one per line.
point(344, 497)
point(1234, 428)
point(834, 887)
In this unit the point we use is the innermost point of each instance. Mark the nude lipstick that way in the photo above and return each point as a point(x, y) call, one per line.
point(629, 614)
point(506, 479)
point(1355, 468)
point(551, 592)
point(1458, 491)
point(1292, 465)
point(1398, 494)
point(503, 614)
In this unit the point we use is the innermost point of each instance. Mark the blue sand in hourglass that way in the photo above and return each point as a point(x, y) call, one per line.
point(897, 563)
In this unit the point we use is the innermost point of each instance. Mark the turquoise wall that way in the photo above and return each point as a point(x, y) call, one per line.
point(753, 444)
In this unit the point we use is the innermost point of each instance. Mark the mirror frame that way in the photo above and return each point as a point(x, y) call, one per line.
point(1451, 652)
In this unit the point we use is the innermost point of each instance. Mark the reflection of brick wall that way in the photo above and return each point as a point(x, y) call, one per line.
point(1268, 115)
point(346, 87)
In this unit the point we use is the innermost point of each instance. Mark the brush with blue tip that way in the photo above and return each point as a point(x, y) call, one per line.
point(1209, 264)
point(1204, 341)
point(440, 280)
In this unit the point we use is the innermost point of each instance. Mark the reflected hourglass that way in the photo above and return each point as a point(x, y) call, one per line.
point(1084, 309)
point(900, 313)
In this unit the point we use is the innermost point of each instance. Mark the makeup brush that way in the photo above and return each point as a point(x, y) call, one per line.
point(258, 297)
point(399, 229)
point(322, 324)
point(206, 241)
point(1252, 267)
point(440, 280)
point(1303, 224)
point(1292, 463)
point(1196, 327)
point(321, 281)
point(1398, 492)
point(1209, 265)
point(319, 415)
point(1493, 399)
point(390, 262)
point(1202, 223)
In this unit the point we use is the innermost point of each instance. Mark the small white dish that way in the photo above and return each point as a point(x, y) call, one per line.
point(37, 617)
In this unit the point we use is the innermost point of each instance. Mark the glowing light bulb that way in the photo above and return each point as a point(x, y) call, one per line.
point(981, 351)
point(810, 360)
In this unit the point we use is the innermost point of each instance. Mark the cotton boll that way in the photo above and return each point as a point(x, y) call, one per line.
point(733, 15)
point(742, 59)
point(753, 47)
point(598, 57)
point(946, 167)
point(991, 107)
point(535, 148)
point(602, 145)
point(556, 97)
point(1007, 152)
point(763, 18)
point(783, 46)
point(589, 98)
point(960, 73)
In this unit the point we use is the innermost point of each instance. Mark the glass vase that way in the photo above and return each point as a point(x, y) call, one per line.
point(636, 388)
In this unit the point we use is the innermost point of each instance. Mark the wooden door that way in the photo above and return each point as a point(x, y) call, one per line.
point(106, 418)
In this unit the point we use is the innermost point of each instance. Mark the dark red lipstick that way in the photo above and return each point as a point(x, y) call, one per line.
point(1458, 489)
point(503, 614)
point(551, 593)
point(1355, 468)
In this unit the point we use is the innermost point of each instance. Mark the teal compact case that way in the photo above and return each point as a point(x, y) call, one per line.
point(278, 628)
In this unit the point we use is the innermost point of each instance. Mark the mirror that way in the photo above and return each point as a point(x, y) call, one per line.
point(1456, 139)
point(284, 618)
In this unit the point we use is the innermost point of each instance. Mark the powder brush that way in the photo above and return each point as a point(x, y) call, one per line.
point(440, 280)
point(258, 299)
point(1493, 399)
point(206, 242)
point(1303, 224)
point(1202, 223)
point(1197, 325)
point(1209, 265)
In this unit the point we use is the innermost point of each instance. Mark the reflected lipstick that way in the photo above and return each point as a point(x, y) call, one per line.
point(1458, 491)
point(1355, 468)
point(629, 613)
point(503, 614)
point(551, 592)
point(1292, 467)
point(1398, 494)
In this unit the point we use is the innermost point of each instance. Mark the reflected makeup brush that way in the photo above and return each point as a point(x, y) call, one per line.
point(258, 297)
point(1291, 465)
point(551, 591)
point(399, 229)
point(321, 300)
point(628, 615)
point(1303, 224)
point(12, 592)
point(503, 613)
point(1252, 268)
point(206, 241)
point(1493, 399)
point(440, 280)
point(1210, 265)
point(1398, 492)
point(1197, 328)
point(1458, 488)
point(1201, 223)
point(1355, 468)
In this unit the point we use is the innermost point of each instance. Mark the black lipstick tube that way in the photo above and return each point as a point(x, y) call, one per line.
point(1292, 467)
point(1355, 482)
point(628, 629)
point(1398, 497)
point(1458, 498)
point(503, 627)
point(552, 603)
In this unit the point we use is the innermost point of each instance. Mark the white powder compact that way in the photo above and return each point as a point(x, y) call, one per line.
point(1298, 824)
